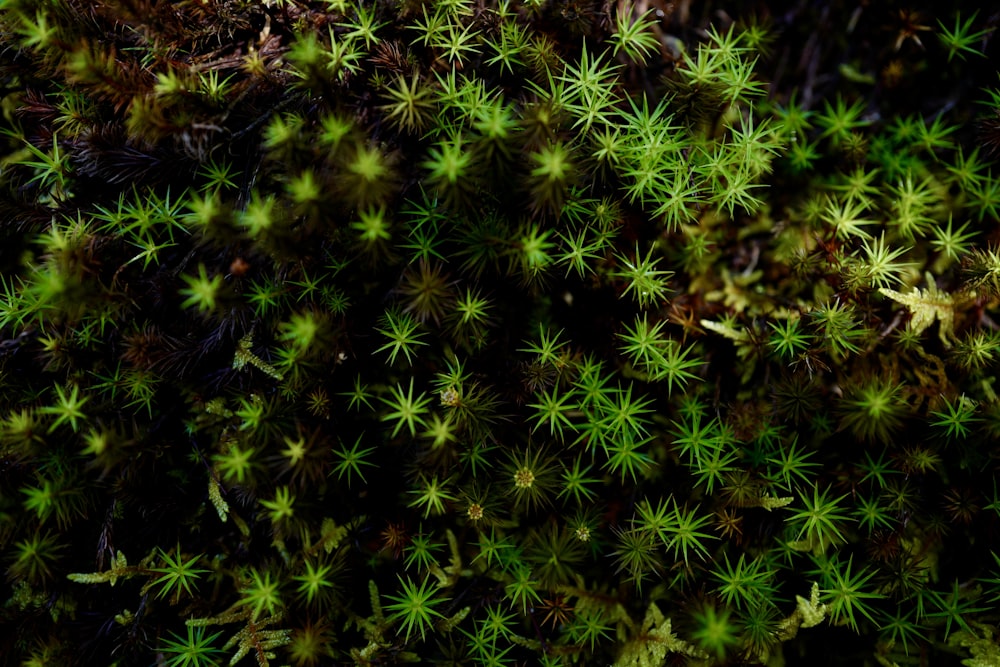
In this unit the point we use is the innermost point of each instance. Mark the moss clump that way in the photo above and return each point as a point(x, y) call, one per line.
point(544, 332)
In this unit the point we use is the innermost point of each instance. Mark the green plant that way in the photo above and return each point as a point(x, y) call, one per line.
point(873, 409)
point(838, 120)
point(787, 340)
point(821, 521)
point(431, 496)
point(32, 558)
point(421, 552)
point(635, 554)
point(497, 333)
point(531, 476)
point(846, 594)
point(715, 632)
point(59, 497)
point(176, 575)
point(576, 484)
point(956, 418)
point(632, 36)
point(589, 628)
point(953, 607)
point(261, 594)
point(282, 507)
point(351, 460)
point(194, 650)
point(406, 409)
point(316, 587)
point(414, 607)
point(745, 586)
point(645, 283)
point(201, 291)
point(960, 40)
point(68, 408)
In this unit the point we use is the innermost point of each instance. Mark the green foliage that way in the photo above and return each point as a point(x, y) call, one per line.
point(747, 584)
point(315, 585)
point(194, 650)
point(873, 409)
point(635, 554)
point(351, 460)
point(956, 419)
point(846, 594)
point(68, 408)
point(282, 507)
point(658, 356)
point(960, 39)
point(838, 120)
point(715, 632)
point(414, 607)
point(406, 409)
point(549, 178)
point(531, 476)
point(176, 575)
point(680, 530)
point(788, 341)
point(589, 335)
point(201, 291)
point(954, 607)
point(32, 559)
point(431, 496)
point(261, 594)
point(632, 36)
point(645, 284)
point(588, 628)
point(60, 497)
point(820, 521)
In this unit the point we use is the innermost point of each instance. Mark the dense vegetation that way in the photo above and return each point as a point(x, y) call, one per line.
point(495, 333)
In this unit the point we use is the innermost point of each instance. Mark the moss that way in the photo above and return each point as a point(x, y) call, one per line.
point(512, 332)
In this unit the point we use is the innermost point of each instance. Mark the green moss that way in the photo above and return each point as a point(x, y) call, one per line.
point(519, 332)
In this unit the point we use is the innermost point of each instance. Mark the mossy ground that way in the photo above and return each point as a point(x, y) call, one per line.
point(499, 333)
